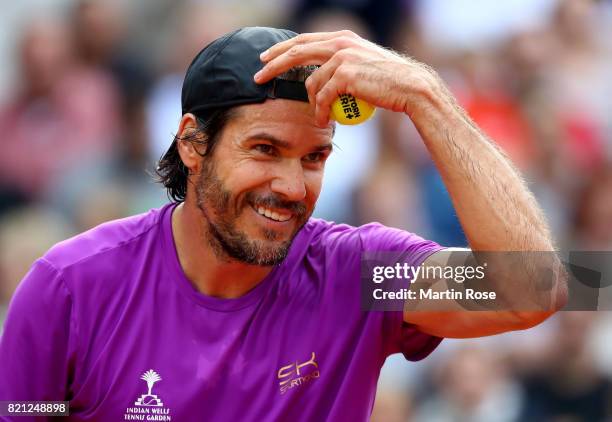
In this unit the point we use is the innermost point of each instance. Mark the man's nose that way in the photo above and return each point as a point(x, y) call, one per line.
point(289, 181)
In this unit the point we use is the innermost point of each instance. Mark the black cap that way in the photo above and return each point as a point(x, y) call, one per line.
point(221, 75)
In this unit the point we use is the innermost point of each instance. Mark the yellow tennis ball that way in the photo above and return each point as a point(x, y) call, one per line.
point(348, 110)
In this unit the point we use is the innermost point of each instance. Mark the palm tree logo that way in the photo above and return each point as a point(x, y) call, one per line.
point(150, 377)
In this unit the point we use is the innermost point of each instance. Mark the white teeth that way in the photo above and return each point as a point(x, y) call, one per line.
point(273, 215)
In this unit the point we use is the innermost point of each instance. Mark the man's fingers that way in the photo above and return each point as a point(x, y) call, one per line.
point(317, 52)
point(320, 77)
point(278, 49)
point(326, 96)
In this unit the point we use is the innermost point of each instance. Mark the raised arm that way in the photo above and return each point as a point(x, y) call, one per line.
point(496, 210)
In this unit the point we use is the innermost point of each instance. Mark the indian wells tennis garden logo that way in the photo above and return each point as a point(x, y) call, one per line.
point(148, 407)
point(151, 377)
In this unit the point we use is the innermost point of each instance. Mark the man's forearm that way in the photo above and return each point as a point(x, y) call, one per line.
point(496, 209)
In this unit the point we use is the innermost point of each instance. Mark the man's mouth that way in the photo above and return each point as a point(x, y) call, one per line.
point(273, 214)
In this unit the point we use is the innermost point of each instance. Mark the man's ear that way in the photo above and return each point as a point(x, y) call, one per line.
point(189, 151)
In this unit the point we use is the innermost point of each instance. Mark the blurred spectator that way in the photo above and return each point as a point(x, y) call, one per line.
point(392, 405)
point(25, 235)
point(564, 384)
point(472, 386)
point(381, 18)
point(593, 221)
point(102, 42)
point(527, 56)
point(565, 93)
point(578, 86)
point(53, 123)
point(114, 184)
point(390, 192)
point(194, 26)
point(486, 96)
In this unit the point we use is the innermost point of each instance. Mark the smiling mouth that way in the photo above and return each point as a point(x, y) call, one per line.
point(271, 214)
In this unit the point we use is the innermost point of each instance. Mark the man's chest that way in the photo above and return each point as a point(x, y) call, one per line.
point(156, 367)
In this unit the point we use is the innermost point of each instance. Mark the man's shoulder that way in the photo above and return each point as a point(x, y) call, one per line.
point(317, 228)
point(318, 233)
point(326, 235)
point(104, 238)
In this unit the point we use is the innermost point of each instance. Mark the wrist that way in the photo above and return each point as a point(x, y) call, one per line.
point(433, 110)
point(431, 104)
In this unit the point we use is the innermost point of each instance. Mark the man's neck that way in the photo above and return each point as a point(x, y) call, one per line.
point(209, 274)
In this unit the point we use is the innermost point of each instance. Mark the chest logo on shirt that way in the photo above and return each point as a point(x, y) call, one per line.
point(148, 407)
point(297, 374)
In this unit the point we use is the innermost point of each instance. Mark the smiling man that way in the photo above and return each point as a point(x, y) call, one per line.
point(231, 303)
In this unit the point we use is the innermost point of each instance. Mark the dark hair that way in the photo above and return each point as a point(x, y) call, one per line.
point(170, 170)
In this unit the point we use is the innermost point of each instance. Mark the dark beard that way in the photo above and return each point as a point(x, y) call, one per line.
point(214, 201)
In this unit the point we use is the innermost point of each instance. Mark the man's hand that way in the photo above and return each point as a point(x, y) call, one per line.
point(353, 65)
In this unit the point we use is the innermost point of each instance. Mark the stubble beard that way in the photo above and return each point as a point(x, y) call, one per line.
point(221, 233)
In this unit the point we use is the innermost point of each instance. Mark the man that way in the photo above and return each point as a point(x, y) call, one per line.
point(231, 303)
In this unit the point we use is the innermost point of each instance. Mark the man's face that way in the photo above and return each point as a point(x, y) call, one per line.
point(260, 184)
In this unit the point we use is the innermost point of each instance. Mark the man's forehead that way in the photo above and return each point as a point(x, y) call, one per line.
point(277, 108)
point(290, 118)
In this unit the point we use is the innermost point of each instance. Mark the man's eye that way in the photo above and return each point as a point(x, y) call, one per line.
point(264, 148)
point(314, 157)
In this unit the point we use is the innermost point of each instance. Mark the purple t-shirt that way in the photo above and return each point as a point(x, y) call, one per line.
point(108, 321)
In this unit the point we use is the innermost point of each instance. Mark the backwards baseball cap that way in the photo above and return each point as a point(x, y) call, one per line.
point(221, 75)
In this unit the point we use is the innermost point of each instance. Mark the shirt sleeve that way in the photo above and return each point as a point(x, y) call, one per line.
point(399, 336)
point(36, 348)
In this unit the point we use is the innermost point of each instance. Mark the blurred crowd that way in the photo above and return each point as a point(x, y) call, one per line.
point(94, 101)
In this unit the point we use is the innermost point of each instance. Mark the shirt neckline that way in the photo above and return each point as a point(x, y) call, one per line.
point(187, 288)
